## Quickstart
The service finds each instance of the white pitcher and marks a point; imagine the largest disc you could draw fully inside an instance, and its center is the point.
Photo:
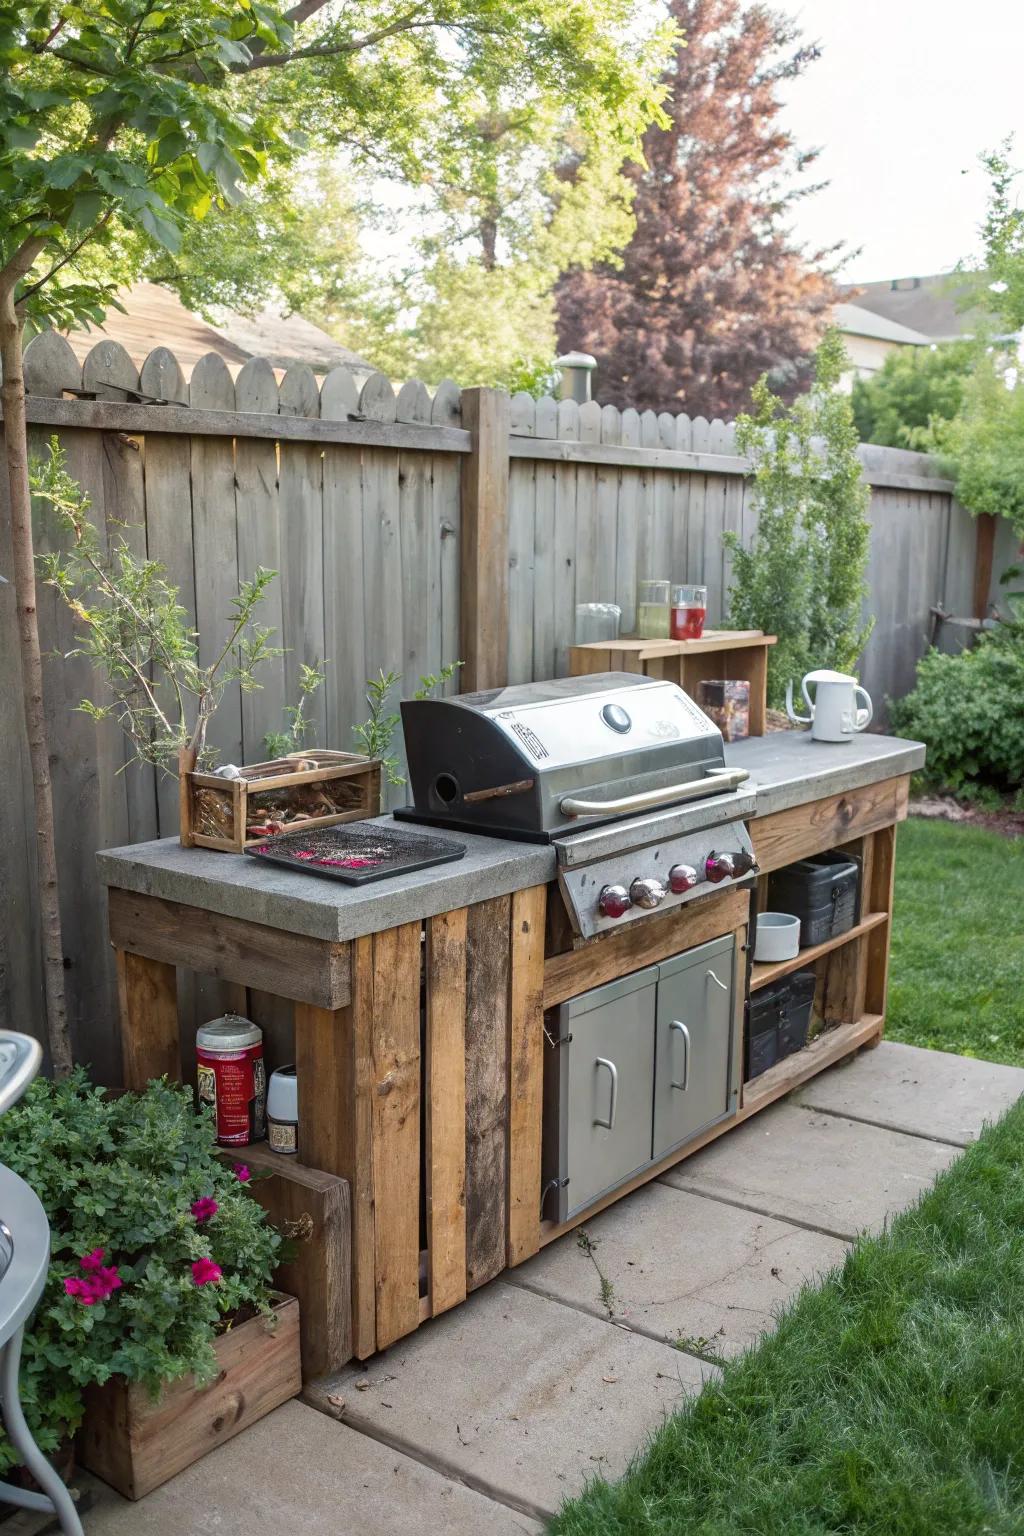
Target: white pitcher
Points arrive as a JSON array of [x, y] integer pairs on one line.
[[834, 713]]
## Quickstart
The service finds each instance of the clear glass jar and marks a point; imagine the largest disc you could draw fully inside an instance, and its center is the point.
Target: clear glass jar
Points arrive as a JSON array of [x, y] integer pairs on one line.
[[597, 622], [653, 609], [689, 610]]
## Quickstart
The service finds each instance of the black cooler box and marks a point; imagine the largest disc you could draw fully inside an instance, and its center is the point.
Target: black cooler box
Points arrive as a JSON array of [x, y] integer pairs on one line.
[[821, 892]]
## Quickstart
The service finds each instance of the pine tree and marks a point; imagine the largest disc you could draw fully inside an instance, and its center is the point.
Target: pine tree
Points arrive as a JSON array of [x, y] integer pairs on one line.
[[712, 291]]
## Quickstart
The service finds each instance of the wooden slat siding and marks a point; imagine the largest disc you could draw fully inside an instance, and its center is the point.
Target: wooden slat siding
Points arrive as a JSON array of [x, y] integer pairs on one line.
[[333, 1058], [607, 505], [645, 567], [808, 829], [396, 1129], [732, 518], [302, 539], [444, 1109], [587, 590], [522, 414], [695, 541], [382, 551], [167, 463], [526, 1071], [258, 533], [231, 950], [626, 526], [545, 486], [420, 562], [881, 872], [484, 576], [446, 410], [50, 366], [521, 577], [215, 546], [602, 959], [680, 503], [662, 532], [563, 584], [148, 1007], [487, 1002], [344, 598]]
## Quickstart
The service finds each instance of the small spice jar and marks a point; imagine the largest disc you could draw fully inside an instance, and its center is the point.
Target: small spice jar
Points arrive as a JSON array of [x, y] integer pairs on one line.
[[283, 1111], [232, 1079]]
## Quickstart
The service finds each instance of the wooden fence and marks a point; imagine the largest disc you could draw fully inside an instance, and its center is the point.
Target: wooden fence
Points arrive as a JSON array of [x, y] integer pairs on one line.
[[409, 529]]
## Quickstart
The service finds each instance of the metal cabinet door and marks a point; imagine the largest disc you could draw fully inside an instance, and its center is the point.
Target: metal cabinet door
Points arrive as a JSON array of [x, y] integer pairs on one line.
[[692, 1074], [607, 1072]]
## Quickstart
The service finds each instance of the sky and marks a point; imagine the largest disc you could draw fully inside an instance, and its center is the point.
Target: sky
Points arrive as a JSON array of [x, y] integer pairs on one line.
[[906, 95]]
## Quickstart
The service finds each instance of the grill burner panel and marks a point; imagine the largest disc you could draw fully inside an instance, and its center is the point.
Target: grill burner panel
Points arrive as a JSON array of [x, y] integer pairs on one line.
[[357, 852]]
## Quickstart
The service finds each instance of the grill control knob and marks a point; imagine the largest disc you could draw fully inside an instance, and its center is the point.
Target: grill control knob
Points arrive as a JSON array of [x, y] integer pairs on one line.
[[720, 866], [614, 901], [682, 877], [647, 893], [745, 862]]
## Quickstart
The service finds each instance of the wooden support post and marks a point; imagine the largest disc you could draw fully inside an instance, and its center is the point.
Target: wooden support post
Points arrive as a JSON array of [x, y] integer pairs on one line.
[[526, 1072], [445, 1110], [333, 1063], [150, 1040], [984, 552], [487, 1002], [484, 541], [883, 874]]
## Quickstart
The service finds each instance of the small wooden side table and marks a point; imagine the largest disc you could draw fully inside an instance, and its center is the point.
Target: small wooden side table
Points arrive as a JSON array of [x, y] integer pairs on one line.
[[740, 654]]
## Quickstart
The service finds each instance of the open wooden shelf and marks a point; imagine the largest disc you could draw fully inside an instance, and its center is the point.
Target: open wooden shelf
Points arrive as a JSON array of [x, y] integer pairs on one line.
[[830, 1046], [769, 971]]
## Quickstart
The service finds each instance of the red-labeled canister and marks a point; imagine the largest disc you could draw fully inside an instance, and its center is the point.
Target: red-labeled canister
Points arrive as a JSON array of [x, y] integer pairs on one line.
[[232, 1079]]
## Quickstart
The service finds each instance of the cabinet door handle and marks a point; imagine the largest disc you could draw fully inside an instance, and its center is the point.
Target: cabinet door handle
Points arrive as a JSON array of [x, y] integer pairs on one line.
[[609, 1124], [681, 1027], [712, 977]]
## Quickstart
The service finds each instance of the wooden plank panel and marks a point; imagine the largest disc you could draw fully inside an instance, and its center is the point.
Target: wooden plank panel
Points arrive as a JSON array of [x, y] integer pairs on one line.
[[521, 581], [215, 548], [258, 532], [587, 590], [396, 1129], [545, 483], [231, 949], [642, 943], [526, 1072], [333, 1059], [302, 574], [487, 1003], [807, 829], [564, 551], [313, 1210], [445, 1110], [883, 872], [444, 489], [167, 463], [148, 1000]]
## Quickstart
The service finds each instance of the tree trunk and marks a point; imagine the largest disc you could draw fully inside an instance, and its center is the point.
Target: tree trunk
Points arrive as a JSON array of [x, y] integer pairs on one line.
[[16, 450]]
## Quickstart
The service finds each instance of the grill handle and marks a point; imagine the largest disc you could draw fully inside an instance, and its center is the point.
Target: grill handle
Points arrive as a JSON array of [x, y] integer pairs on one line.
[[720, 778]]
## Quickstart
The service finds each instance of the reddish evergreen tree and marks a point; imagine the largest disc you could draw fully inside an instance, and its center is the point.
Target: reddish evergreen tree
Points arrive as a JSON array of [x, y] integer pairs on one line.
[[713, 290]]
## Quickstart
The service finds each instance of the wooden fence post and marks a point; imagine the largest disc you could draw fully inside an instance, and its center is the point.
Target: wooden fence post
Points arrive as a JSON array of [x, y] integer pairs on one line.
[[483, 635]]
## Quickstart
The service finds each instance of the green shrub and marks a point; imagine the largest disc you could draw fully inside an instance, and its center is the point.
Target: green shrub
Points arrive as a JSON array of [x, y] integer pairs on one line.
[[969, 711], [122, 1181]]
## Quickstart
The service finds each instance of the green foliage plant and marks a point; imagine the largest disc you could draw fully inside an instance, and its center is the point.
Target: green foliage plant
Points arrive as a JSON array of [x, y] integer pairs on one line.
[[803, 577], [173, 1243], [299, 725], [376, 733], [915, 390]]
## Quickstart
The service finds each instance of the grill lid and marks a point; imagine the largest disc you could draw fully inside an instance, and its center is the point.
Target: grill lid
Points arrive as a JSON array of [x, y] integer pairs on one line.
[[537, 758]]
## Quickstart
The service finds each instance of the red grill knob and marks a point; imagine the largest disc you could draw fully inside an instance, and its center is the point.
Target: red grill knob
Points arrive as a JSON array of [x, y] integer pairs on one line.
[[647, 893], [614, 901], [720, 866], [682, 877]]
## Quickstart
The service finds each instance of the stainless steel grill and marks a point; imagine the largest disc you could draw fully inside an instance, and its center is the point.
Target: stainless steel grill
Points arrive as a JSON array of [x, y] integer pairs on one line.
[[624, 774]]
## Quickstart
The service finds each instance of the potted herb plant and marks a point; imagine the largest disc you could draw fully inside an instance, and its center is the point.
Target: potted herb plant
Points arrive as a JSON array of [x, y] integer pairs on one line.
[[159, 1306]]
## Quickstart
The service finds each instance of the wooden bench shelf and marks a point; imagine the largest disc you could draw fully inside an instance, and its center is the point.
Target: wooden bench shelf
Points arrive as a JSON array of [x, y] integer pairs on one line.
[[828, 1047], [763, 974]]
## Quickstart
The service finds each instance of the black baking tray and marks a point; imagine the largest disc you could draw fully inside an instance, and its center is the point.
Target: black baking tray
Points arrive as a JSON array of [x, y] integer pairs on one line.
[[386, 850]]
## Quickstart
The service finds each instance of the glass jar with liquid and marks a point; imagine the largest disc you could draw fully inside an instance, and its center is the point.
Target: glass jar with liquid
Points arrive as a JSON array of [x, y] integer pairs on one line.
[[653, 609]]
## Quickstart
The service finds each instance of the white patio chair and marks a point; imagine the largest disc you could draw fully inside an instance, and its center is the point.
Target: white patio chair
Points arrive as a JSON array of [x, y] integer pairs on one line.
[[24, 1261]]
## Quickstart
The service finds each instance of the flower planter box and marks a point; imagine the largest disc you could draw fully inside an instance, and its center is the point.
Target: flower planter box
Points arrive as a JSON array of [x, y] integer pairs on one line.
[[221, 813], [135, 1443]]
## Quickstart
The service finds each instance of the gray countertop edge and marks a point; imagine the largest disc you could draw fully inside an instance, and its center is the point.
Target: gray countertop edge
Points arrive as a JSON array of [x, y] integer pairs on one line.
[[787, 769]]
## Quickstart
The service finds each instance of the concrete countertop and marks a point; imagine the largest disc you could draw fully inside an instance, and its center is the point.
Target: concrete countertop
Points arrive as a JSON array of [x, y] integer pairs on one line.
[[786, 768]]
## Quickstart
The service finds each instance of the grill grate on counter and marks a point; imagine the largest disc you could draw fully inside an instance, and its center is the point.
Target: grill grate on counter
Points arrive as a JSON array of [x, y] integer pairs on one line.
[[357, 852]]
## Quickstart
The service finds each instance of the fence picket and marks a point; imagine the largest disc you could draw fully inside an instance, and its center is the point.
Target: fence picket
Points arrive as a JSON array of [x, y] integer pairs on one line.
[[302, 543], [545, 482], [258, 529], [50, 365]]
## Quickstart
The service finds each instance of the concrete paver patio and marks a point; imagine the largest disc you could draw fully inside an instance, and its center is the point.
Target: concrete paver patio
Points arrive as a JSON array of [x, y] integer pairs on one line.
[[487, 1417]]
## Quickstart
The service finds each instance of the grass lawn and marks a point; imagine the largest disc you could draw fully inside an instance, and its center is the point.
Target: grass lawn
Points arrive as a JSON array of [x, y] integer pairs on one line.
[[890, 1401], [956, 981]]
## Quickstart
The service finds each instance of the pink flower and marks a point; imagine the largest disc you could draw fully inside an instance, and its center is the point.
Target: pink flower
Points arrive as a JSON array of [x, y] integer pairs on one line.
[[205, 1208], [91, 1262], [205, 1272], [242, 1173], [99, 1284], [74, 1285]]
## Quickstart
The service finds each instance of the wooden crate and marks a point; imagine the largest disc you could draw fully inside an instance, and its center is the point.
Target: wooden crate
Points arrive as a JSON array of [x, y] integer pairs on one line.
[[720, 653], [135, 1444], [215, 812]]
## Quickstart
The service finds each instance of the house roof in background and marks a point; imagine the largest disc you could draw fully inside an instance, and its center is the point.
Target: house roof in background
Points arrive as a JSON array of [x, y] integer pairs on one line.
[[155, 317], [856, 321], [926, 304]]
